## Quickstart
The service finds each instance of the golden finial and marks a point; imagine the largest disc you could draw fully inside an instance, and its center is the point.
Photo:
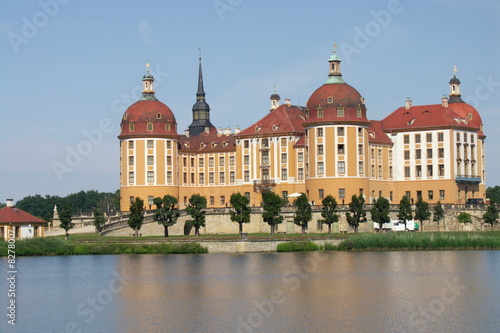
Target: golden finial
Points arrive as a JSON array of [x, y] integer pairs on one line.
[[455, 70], [147, 66], [334, 47]]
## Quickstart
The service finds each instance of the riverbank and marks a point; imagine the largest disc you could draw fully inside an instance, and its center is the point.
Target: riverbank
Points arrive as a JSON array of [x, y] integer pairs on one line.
[[403, 241]]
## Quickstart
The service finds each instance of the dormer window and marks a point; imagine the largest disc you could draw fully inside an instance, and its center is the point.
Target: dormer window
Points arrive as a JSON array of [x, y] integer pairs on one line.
[[131, 127], [340, 112], [329, 100], [150, 126], [319, 112], [158, 115], [167, 127], [275, 127], [358, 112]]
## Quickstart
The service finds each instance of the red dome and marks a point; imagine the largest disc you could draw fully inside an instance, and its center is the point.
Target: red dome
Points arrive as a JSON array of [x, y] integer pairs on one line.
[[332, 96], [467, 111], [148, 118]]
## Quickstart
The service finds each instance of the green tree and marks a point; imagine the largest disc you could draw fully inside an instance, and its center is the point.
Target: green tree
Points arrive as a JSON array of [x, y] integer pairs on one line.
[[422, 212], [438, 213], [329, 212], [380, 212], [493, 193], [241, 209], [464, 217], [65, 218], [405, 212], [136, 217], [491, 215], [99, 219], [303, 212], [195, 209], [356, 207], [271, 203], [166, 212]]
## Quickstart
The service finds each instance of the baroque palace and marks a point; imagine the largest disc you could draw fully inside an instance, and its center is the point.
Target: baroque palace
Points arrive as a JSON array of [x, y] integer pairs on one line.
[[328, 147]]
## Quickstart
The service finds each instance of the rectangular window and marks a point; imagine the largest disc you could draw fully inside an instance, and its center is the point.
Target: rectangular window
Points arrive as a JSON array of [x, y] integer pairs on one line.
[[184, 161], [201, 162], [301, 173], [372, 153], [246, 160], [151, 144], [340, 131], [211, 162], [418, 154], [131, 160], [360, 149], [222, 200], [373, 171], [247, 195], [301, 157], [185, 177], [265, 143], [131, 144], [418, 171], [283, 142], [340, 149], [408, 194], [429, 137], [321, 168], [441, 152], [360, 132], [440, 136], [192, 178], [320, 149], [246, 144], [232, 176], [221, 161], [192, 162], [341, 166], [417, 138], [321, 193], [390, 172], [319, 112], [407, 154], [380, 194], [169, 144], [441, 170], [472, 138], [429, 170], [441, 194], [340, 112], [361, 169], [379, 171], [185, 200], [379, 153], [265, 157], [358, 112], [212, 200], [131, 177], [342, 193], [247, 176], [151, 160], [151, 176], [458, 136], [284, 158], [211, 178], [232, 160], [429, 153], [407, 171], [284, 174], [222, 177], [406, 138], [319, 132], [419, 194], [465, 137], [391, 195], [169, 176], [202, 178], [131, 127], [132, 199], [284, 194], [430, 194]]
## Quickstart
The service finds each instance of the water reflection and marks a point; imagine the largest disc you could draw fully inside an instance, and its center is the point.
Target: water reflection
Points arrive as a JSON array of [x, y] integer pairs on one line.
[[291, 292]]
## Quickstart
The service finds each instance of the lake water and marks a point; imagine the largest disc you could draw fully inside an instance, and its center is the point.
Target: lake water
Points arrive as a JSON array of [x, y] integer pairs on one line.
[[456, 291]]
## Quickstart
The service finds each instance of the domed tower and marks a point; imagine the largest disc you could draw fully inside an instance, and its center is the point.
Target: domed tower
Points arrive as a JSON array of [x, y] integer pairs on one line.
[[148, 149], [275, 100], [336, 139]]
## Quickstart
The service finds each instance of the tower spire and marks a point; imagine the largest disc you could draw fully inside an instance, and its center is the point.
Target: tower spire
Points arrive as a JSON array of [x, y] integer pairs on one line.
[[201, 110], [455, 96], [148, 91]]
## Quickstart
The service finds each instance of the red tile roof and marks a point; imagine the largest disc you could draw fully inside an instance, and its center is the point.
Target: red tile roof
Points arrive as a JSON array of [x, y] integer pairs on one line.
[[429, 116], [15, 215], [377, 135], [283, 119], [207, 143]]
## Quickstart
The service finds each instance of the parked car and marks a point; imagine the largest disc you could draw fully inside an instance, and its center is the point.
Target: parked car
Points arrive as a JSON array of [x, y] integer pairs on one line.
[[473, 201]]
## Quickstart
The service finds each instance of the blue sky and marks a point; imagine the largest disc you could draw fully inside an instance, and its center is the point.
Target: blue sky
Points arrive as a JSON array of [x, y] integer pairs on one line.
[[70, 68]]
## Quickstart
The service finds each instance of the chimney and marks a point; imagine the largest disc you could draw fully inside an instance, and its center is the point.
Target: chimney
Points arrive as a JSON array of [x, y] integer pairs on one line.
[[186, 133], [408, 103], [10, 202], [236, 130], [288, 101], [207, 129], [220, 131], [227, 131], [444, 101]]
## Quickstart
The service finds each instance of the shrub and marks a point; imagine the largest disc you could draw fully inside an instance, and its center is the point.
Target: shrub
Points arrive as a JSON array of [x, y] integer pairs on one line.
[[297, 246]]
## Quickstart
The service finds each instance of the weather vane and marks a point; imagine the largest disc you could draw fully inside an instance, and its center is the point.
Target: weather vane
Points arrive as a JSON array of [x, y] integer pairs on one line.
[[334, 47], [147, 66], [455, 70]]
